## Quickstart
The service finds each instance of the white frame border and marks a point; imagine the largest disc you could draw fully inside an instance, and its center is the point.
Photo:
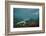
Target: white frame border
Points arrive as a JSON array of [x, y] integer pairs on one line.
[[29, 28]]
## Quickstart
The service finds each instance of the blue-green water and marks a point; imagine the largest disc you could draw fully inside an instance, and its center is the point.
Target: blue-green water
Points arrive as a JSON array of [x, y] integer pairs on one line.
[[20, 14]]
